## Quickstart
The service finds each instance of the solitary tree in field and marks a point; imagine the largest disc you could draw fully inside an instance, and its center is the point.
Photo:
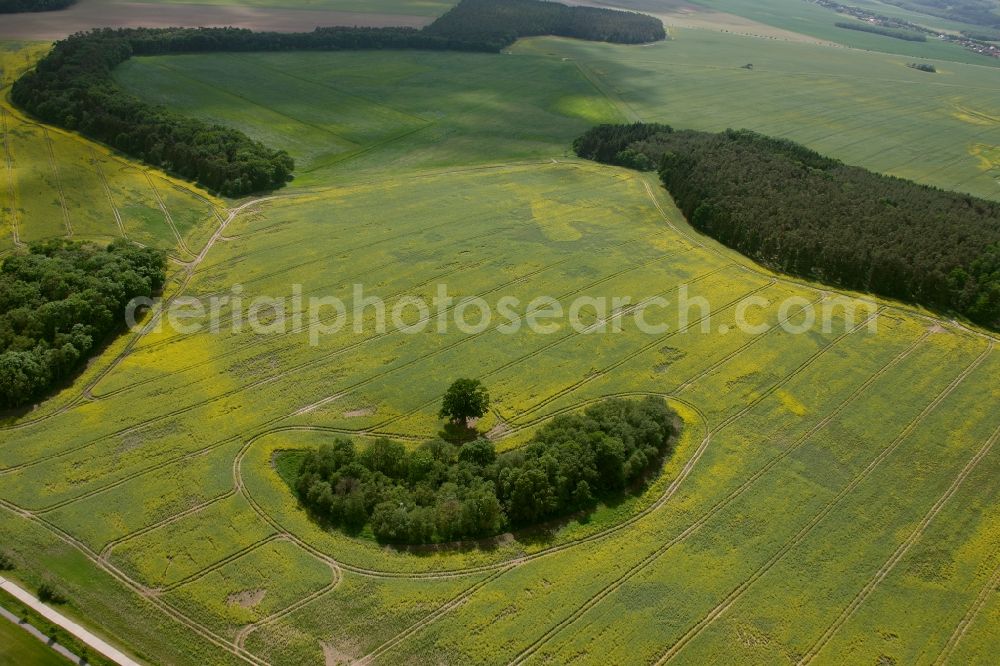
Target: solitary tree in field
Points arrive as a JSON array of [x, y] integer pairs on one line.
[[465, 399]]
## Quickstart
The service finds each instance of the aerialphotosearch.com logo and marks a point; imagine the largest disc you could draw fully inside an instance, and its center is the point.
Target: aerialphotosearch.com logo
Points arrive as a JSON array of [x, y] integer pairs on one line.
[[363, 314]]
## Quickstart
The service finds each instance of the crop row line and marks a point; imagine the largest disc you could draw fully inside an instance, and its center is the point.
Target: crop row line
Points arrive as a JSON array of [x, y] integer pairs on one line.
[[738, 592], [267, 249], [11, 187], [261, 63], [989, 589], [599, 322], [243, 100], [107, 190], [168, 218], [325, 558], [548, 551], [748, 266], [172, 338], [433, 617], [319, 554], [125, 479], [429, 575], [704, 518], [258, 341], [491, 567], [218, 564], [252, 232], [900, 552], [153, 319], [362, 150], [135, 587], [244, 633], [278, 376], [54, 167], [703, 446], [613, 98], [521, 359], [275, 377], [369, 572], [353, 249], [344, 431], [423, 229], [105, 553], [641, 350], [749, 343], [270, 248]]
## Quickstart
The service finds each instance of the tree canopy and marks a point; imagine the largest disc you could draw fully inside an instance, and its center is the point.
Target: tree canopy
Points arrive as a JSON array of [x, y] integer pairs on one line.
[[439, 492], [502, 22], [72, 86], [465, 399], [896, 33], [15, 6], [795, 210], [58, 302]]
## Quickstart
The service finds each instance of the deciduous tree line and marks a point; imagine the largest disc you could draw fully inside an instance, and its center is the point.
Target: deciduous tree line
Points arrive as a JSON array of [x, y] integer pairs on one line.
[[61, 300], [896, 33], [440, 492], [792, 209], [15, 6], [501, 22], [72, 87]]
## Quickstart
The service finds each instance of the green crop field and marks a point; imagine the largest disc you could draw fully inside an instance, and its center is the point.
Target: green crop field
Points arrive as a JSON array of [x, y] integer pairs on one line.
[[379, 112], [867, 109], [811, 19], [425, 111], [805, 17], [832, 497], [18, 647], [57, 184]]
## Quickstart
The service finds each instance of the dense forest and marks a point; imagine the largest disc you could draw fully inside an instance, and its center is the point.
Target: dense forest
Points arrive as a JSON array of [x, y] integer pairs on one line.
[[58, 302], [15, 6], [882, 30], [72, 86], [440, 492], [799, 212], [502, 22]]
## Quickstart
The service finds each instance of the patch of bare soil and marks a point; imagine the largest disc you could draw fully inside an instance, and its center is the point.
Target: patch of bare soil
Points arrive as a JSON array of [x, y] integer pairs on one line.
[[107, 14], [334, 657], [246, 598], [357, 413]]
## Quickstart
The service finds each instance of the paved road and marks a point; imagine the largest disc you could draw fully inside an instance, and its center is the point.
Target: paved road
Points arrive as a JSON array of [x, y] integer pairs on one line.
[[54, 616]]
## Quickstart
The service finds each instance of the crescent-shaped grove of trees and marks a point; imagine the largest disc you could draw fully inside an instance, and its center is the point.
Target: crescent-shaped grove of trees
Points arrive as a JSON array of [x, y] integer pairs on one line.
[[72, 86], [440, 492]]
